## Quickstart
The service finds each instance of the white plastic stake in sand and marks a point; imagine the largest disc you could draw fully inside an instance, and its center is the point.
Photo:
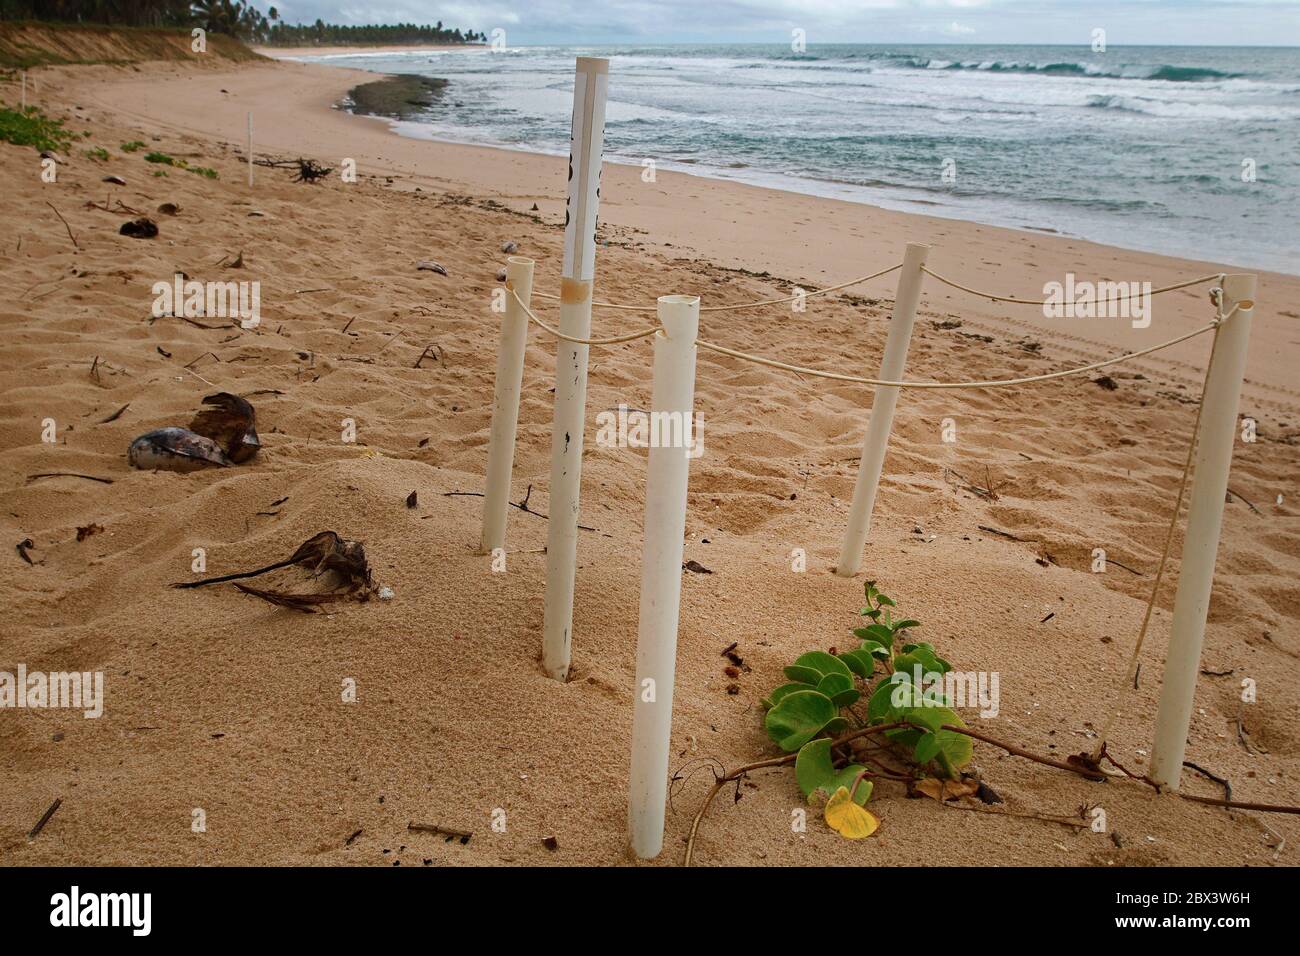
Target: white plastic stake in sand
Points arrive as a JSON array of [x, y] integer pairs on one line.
[[661, 572], [1204, 520], [590, 88], [24, 91], [882, 410], [505, 404], [250, 149]]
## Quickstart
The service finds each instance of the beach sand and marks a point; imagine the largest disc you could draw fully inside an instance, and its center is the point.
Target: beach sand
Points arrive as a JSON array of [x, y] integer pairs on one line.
[[284, 52], [220, 702]]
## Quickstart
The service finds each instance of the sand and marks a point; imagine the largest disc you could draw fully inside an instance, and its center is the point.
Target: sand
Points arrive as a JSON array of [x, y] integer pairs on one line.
[[220, 702], [286, 52]]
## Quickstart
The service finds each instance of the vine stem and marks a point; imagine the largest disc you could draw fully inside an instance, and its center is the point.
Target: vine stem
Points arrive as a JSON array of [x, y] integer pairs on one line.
[[1211, 801], [1082, 770], [739, 772], [1096, 775]]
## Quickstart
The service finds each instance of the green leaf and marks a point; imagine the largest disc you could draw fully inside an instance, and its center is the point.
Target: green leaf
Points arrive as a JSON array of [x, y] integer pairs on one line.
[[906, 736], [927, 748], [860, 662], [774, 698], [798, 718], [906, 622], [878, 706], [922, 654], [809, 677], [955, 751], [891, 700], [951, 750], [810, 668], [931, 717], [814, 771], [875, 632], [839, 689], [884, 601]]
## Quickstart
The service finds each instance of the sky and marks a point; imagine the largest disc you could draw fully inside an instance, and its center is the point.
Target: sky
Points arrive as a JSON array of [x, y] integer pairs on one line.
[[1070, 22]]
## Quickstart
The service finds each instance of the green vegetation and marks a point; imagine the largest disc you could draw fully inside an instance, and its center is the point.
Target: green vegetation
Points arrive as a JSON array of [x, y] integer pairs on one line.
[[99, 153], [25, 43], [233, 18], [132, 146], [818, 702], [165, 160], [31, 127]]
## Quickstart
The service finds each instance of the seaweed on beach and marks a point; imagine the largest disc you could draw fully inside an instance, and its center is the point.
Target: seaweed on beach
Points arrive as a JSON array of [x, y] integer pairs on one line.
[[398, 97]]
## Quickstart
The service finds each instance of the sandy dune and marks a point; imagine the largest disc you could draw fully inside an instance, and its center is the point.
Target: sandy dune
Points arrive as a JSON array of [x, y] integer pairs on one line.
[[218, 701]]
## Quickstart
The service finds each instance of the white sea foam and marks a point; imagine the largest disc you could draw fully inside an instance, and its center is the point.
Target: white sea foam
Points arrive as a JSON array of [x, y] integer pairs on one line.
[[1126, 147]]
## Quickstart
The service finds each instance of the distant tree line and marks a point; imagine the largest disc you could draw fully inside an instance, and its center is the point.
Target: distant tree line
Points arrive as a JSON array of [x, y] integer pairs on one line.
[[232, 17]]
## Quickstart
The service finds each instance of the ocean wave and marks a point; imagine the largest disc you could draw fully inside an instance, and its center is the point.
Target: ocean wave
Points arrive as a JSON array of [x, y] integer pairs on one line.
[[1174, 109], [1168, 72]]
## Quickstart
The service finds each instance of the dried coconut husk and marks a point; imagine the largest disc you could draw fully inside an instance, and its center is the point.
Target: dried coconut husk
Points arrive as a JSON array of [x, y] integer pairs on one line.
[[231, 422]]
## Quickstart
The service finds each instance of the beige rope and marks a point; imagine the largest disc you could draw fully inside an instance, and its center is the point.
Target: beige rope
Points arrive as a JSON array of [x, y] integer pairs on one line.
[[996, 383], [742, 305], [1130, 673], [576, 341], [604, 305], [1013, 299]]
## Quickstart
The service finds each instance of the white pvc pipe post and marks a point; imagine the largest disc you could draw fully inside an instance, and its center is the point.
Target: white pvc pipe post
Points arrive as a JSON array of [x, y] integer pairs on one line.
[[591, 85], [882, 410], [661, 570], [24, 91], [250, 149], [505, 404], [1204, 520]]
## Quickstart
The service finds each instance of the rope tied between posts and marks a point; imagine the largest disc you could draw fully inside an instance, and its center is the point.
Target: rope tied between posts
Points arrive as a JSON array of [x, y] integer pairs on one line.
[[875, 382], [994, 383], [742, 305], [1128, 679], [1218, 277], [615, 340]]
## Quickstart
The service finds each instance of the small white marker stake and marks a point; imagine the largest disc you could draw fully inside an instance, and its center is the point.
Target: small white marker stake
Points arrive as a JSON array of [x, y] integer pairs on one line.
[[505, 404], [1204, 521], [250, 149], [661, 573], [591, 85], [24, 91], [882, 410]]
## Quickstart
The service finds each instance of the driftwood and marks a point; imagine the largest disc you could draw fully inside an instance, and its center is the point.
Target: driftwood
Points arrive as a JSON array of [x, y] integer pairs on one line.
[[323, 552], [309, 171]]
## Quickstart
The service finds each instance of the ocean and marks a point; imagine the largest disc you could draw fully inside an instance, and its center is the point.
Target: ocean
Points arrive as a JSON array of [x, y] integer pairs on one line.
[[1178, 150]]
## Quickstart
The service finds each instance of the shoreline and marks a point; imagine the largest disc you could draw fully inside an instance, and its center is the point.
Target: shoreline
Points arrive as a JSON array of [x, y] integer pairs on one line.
[[819, 242], [781, 184], [911, 200]]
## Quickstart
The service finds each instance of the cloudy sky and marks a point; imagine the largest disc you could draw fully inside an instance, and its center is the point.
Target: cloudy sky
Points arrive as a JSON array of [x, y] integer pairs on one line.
[[1205, 22]]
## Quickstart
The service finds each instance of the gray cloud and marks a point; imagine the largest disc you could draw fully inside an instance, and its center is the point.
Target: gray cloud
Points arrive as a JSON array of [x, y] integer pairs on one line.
[[1207, 22]]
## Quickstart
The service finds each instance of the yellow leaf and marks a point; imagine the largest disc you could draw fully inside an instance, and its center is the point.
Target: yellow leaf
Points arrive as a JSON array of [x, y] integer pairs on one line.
[[847, 818]]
